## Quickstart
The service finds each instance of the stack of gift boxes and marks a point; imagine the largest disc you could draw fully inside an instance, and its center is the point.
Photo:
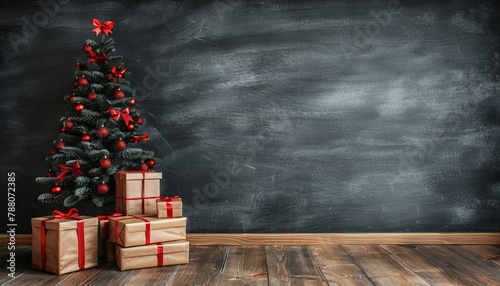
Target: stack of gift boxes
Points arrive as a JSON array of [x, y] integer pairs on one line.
[[146, 231]]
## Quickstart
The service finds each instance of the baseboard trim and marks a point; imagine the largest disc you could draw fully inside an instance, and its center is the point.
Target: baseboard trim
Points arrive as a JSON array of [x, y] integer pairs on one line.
[[317, 238]]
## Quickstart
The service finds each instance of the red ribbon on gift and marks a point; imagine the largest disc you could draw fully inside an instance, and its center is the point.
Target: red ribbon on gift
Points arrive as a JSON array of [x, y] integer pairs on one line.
[[143, 191], [80, 228], [105, 219], [117, 73], [159, 254], [168, 204], [102, 27], [125, 113], [75, 169], [94, 58], [147, 232], [136, 138]]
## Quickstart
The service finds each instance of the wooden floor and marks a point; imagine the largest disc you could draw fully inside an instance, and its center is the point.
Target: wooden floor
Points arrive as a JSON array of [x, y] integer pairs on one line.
[[291, 265]]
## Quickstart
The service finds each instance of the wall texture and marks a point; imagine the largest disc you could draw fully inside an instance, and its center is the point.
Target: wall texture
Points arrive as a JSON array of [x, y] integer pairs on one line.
[[279, 116]]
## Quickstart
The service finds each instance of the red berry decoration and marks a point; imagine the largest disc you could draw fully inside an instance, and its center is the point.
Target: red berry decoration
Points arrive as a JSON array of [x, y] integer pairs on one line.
[[68, 124], [87, 48], [105, 163], [56, 189], [83, 81], [133, 101], [119, 94], [102, 131], [60, 145], [85, 137], [143, 166], [130, 126], [150, 162], [79, 107], [92, 96], [121, 145], [139, 120], [49, 173], [53, 151], [102, 188]]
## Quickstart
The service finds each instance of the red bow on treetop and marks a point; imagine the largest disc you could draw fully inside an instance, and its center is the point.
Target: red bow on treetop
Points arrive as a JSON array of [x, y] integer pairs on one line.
[[75, 169], [94, 58], [102, 27], [136, 139], [115, 114], [117, 73], [71, 213]]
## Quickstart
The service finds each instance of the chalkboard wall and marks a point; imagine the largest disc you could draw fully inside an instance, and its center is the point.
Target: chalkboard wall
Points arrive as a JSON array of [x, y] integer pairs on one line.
[[279, 116]]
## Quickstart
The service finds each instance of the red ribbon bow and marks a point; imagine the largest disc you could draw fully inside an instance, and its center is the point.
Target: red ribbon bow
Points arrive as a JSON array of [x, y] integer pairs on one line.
[[73, 212], [102, 27], [75, 169], [117, 73], [169, 199], [94, 58], [136, 139], [115, 114], [108, 216]]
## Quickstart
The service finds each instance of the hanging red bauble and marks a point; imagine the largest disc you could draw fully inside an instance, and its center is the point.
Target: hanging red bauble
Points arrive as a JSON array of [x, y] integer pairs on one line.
[[75, 82], [102, 131], [87, 48], [62, 129], [79, 107], [83, 81], [102, 188], [121, 145], [150, 162], [49, 173], [56, 189], [119, 94], [53, 151], [133, 102], [59, 145], [143, 166], [85, 137], [130, 126], [71, 98], [68, 124], [105, 163], [92, 96], [139, 120]]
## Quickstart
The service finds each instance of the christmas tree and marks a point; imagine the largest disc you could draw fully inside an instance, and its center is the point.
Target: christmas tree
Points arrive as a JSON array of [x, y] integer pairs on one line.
[[97, 130]]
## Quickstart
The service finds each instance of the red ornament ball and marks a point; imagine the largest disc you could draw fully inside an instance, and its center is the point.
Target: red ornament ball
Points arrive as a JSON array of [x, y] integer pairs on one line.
[[56, 189], [49, 173], [119, 94], [83, 81], [133, 102], [79, 107], [105, 163], [62, 129], [68, 124], [85, 137], [102, 131], [121, 145], [139, 120], [143, 166], [75, 83], [102, 188], [92, 96], [131, 126], [60, 145], [150, 162], [71, 98], [87, 48], [53, 151]]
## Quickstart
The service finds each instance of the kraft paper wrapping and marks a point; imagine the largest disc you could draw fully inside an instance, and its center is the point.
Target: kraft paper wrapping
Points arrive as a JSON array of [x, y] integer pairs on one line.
[[175, 252], [62, 244], [131, 231], [162, 208], [135, 196], [106, 248]]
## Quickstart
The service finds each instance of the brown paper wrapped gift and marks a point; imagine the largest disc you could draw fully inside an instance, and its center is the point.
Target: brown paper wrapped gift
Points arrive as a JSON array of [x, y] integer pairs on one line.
[[153, 255], [106, 248], [64, 243], [141, 230], [169, 207], [137, 191]]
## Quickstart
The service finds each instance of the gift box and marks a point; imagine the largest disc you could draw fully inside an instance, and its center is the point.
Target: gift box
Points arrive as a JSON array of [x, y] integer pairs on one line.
[[153, 255], [137, 191], [106, 248], [64, 242], [142, 230], [169, 207]]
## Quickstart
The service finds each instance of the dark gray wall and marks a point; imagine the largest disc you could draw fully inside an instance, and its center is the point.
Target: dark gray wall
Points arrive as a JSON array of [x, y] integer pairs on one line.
[[280, 116]]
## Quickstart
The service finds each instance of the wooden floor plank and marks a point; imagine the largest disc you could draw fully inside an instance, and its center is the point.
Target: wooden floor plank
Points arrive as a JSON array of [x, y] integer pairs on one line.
[[381, 268], [435, 272], [468, 262], [150, 276], [107, 271], [337, 267], [23, 262], [292, 265], [245, 265], [204, 268], [488, 252]]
